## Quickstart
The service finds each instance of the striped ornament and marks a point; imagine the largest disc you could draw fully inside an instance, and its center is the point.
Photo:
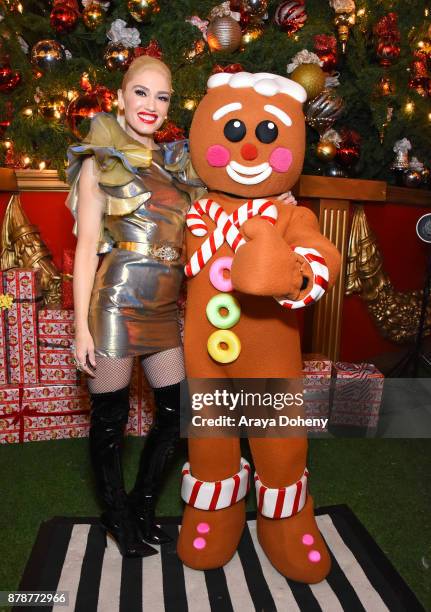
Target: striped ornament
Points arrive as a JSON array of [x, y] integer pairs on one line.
[[284, 502], [291, 16], [320, 279], [227, 227], [215, 495]]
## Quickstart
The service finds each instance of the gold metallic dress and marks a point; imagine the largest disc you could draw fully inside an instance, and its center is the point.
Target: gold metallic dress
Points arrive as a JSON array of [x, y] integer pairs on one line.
[[133, 308]]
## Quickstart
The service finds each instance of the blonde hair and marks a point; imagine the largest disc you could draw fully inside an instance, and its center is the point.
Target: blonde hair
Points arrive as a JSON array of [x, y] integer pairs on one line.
[[145, 62]]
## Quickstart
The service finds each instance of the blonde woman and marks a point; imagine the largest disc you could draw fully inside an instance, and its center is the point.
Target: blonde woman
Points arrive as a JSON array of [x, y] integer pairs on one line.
[[126, 196]]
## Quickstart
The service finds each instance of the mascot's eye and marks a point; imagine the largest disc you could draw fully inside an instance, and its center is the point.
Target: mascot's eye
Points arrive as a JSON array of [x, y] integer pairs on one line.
[[266, 131], [234, 130]]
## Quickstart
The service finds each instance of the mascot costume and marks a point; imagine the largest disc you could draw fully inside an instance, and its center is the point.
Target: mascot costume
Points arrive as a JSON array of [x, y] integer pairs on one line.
[[247, 144]]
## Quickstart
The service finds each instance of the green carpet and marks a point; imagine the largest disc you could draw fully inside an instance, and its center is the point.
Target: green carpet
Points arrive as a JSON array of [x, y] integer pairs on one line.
[[385, 482]]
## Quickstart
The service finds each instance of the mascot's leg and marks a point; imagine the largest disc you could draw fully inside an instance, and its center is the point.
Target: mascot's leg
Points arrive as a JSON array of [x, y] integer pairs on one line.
[[286, 526], [214, 486]]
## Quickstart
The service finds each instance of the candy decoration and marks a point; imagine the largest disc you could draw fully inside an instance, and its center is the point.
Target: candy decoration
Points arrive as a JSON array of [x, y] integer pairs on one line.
[[227, 302], [291, 16], [226, 227], [217, 277], [215, 495], [320, 279], [283, 502], [224, 346]]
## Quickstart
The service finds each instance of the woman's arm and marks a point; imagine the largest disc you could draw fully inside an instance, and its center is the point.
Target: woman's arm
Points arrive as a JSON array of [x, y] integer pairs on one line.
[[91, 203]]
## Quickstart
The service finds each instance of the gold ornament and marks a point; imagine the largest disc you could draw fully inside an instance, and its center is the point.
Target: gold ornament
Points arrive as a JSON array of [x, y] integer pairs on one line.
[[396, 313], [343, 23], [22, 247], [6, 301], [224, 34], [142, 10], [117, 56], [93, 16], [51, 108], [251, 33], [47, 54], [311, 77], [326, 150]]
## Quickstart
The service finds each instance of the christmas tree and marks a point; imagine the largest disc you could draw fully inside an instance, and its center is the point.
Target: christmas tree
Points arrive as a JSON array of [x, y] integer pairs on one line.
[[61, 62]]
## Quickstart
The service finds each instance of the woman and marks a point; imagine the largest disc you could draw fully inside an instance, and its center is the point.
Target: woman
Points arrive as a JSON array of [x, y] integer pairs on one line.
[[126, 202]]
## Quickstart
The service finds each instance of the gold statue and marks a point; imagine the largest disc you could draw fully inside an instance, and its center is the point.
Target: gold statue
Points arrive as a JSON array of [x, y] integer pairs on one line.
[[396, 313], [22, 247]]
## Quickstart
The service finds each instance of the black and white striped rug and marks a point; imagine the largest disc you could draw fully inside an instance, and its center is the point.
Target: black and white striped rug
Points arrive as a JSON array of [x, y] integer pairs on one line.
[[69, 555]]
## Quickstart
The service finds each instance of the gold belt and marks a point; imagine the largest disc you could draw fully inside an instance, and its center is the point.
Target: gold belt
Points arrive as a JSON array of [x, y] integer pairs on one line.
[[157, 251]]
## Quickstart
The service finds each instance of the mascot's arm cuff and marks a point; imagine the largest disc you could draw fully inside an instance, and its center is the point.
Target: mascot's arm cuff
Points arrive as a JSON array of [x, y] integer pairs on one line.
[[320, 279], [218, 494]]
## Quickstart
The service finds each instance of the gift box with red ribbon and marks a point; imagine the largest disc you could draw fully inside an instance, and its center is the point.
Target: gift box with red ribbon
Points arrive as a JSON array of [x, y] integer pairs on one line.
[[3, 354], [56, 335], [9, 408], [21, 324], [67, 279], [141, 404], [357, 395], [317, 372]]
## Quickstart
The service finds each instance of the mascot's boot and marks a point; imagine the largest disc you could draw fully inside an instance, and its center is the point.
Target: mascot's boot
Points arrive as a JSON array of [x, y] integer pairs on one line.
[[286, 526], [214, 485], [156, 455], [108, 420]]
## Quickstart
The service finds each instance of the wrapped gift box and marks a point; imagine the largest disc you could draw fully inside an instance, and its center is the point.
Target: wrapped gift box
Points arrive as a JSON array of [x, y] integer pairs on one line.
[[21, 324], [357, 395], [317, 372], [141, 404], [55, 412], [56, 334], [67, 278], [9, 414], [3, 356]]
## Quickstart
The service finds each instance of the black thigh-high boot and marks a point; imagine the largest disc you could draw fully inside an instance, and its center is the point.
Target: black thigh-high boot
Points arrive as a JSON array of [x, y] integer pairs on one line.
[[156, 454], [108, 419]]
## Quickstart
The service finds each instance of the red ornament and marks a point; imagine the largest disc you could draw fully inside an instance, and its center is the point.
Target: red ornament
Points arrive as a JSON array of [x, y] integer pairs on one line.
[[231, 68], [64, 16], [9, 79], [153, 49], [169, 133], [388, 43], [420, 79], [325, 48], [291, 16], [349, 151], [86, 105]]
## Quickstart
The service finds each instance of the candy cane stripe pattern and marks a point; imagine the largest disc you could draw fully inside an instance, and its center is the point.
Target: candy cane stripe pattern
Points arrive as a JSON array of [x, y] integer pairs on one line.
[[227, 227], [284, 502], [320, 279], [215, 495]]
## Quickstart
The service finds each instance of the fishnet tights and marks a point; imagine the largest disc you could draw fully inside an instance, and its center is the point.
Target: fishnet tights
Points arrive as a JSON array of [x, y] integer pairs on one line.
[[161, 369]]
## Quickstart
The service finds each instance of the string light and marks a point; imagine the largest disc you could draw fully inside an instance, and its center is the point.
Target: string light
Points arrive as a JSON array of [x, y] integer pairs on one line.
[[409, 107], [429, 116], [42, 165], [7, 144], [189, 104], [26, 160], [28, 112], [361, 12]]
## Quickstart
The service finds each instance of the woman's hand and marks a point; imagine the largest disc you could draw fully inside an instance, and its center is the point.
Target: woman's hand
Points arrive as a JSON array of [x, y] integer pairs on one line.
[[84, 352]]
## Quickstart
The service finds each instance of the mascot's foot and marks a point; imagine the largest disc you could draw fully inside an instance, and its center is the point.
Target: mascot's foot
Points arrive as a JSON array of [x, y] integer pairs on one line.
[[295, 546], [208, 539]]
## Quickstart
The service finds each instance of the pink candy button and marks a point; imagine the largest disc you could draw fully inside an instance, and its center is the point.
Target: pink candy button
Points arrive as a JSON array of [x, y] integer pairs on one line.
[[203, 528], [314, 556], [199, 543], [307, 539], [216, 274]]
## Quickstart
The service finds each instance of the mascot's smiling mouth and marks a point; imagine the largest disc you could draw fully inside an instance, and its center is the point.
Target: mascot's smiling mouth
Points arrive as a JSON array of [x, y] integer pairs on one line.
[[248, 175]]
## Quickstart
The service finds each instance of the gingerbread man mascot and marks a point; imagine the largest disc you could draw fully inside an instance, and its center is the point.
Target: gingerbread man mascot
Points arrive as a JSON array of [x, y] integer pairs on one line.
[[247, 144]]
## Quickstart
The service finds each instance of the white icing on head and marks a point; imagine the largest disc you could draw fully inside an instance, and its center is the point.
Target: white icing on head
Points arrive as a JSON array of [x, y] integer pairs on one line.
[[264, 83], [227, 108], [274, 110]]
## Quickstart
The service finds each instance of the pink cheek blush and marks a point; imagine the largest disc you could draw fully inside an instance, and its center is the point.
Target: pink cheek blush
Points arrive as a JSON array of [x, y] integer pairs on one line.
[[203, 528], [199, 543], [217, 156], [314, 556], [281, 159]]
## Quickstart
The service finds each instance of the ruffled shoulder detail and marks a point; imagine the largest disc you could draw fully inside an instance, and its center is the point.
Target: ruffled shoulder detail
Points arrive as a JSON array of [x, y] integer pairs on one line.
[[117, 155], [177, 161]]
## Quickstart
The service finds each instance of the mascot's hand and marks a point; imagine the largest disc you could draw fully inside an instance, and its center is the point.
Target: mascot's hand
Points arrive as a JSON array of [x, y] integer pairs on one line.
[[266, 265]]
